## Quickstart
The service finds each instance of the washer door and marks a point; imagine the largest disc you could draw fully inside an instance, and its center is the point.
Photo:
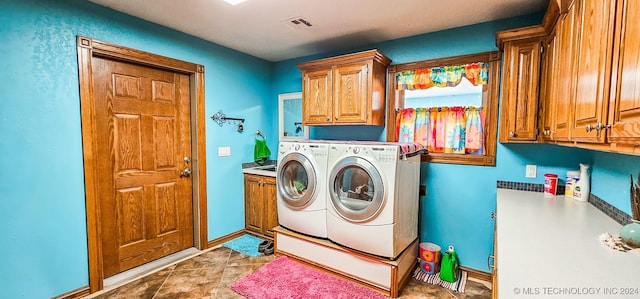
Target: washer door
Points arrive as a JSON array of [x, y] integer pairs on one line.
[[297, 181], [356, 189]]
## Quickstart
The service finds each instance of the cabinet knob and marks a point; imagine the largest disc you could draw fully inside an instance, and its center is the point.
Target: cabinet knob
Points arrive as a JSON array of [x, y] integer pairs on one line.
[[328, 118], [336, 118], [512, 134], [588, 128]]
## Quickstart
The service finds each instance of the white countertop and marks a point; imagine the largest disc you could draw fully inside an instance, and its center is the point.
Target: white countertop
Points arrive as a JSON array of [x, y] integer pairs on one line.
[[258, 171], [549, 247]]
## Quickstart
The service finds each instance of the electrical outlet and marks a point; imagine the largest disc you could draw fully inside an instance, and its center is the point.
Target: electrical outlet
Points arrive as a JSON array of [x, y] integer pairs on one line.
[[531, 171]]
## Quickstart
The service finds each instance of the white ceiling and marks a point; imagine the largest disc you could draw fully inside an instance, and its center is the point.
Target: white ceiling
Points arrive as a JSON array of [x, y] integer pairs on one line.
[[261, 28]]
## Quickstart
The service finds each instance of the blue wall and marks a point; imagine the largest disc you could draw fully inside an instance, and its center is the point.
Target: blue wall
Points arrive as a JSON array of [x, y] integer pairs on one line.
[[460, 199], [42, 210]]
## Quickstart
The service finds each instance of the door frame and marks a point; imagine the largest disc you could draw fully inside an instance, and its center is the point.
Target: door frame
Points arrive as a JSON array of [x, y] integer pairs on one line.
[[89, 48]]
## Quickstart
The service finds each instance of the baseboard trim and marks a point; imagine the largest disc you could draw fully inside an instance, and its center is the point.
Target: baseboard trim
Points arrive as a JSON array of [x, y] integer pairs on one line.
[[225, 238], [77, 293], [477, 274]]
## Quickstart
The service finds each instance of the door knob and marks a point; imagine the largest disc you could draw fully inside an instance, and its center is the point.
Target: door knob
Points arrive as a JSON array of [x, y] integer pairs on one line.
[[185, 173]]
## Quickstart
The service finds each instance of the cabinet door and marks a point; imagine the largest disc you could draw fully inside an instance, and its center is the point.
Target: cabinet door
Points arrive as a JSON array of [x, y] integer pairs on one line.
[[625, 100], [520, 89], [253, 203], [595, 29], [549, 86], [565, 92], [317, 97], [269, 203], [350, 94]]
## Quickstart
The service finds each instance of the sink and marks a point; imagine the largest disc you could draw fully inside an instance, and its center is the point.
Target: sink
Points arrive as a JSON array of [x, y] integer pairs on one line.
[[266, 167]]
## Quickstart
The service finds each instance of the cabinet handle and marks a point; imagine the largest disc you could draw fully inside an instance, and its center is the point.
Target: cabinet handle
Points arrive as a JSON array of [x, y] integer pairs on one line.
[[600, 126], [491, 265]]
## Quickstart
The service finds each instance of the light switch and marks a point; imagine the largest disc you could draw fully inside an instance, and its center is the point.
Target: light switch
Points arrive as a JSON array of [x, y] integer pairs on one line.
[[224, 151]]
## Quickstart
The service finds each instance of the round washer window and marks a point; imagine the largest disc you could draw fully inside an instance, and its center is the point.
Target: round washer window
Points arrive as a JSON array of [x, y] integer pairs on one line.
[[356, 189], [296, 180]]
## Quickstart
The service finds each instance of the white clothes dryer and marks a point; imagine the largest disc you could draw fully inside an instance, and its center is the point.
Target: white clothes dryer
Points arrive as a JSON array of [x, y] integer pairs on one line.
[[373, 197], [301, 187]]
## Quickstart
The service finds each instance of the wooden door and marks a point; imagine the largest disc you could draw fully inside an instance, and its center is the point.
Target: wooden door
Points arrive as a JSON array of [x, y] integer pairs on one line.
[[625, 100], [593, 69], [350, 93], [564, 98], [317, 105], [520, 89], [269, 190], [143, 127], [253, 203]]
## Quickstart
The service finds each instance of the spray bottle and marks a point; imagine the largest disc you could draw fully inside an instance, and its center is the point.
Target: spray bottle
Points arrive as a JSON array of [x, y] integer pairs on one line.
[[581, 187]]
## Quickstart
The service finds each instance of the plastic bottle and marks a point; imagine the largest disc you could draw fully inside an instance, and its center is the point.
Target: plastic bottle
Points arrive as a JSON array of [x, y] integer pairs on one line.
[[449, 270], [572, 178], [581, 187]]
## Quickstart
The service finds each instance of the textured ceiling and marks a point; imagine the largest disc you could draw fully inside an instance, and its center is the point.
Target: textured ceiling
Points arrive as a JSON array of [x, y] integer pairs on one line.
[[261, 27]]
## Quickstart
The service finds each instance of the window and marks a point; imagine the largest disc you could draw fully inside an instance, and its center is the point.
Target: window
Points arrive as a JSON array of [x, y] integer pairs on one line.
[[466, 104]]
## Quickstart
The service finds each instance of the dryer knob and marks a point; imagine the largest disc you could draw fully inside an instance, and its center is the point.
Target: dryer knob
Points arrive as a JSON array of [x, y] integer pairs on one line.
[[297, 147], [356, 150]]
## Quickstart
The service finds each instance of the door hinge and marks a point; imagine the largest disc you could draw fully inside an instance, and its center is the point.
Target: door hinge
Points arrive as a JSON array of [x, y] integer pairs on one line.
[[537, 131]]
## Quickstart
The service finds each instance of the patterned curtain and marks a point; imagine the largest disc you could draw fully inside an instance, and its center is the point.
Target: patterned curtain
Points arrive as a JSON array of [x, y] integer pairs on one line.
[[476, 73], [455, 130]]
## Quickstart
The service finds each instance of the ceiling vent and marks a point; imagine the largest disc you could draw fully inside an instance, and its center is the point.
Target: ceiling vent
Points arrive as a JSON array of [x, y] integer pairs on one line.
[[299, 23]]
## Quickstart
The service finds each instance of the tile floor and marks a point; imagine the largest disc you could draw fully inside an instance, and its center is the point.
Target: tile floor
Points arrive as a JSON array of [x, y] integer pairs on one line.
[[209, 274]]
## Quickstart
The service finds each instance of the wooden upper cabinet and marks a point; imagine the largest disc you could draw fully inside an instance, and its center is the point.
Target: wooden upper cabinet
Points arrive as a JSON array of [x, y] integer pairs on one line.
[[345, 90], [565, 76], [548, 86], [520, 90], [317, 94], [624, 116], [595, 44]]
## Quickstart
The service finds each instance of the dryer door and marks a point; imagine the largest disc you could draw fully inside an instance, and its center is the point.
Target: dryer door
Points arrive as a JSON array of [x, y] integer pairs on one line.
[[356, 189], [297, 181]]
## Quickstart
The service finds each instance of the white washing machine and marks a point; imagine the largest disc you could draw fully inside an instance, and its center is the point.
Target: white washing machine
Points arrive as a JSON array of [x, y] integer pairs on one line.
[[302, 189], [373, 197]]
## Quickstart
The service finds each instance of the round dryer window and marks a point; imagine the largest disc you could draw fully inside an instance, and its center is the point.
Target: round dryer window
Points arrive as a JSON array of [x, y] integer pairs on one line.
[[356, 189], [296, 181]]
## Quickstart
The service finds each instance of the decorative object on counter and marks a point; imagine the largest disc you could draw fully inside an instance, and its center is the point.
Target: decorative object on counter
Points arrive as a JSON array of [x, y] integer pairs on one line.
[[220, 118], [449, 270], [261, 151], [550, 184], [581, 188], [572, 178], [634, 195], [630, 233], [614, 242]]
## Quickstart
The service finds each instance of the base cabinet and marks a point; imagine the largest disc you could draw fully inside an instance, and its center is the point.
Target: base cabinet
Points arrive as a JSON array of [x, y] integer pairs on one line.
[[260, 210]]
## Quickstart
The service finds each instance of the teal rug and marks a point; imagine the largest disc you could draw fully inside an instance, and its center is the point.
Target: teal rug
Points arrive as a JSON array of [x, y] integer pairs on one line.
[[245, 244]]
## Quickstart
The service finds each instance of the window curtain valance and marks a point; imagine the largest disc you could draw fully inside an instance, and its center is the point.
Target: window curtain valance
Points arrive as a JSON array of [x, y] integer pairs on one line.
[[476, 73]]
